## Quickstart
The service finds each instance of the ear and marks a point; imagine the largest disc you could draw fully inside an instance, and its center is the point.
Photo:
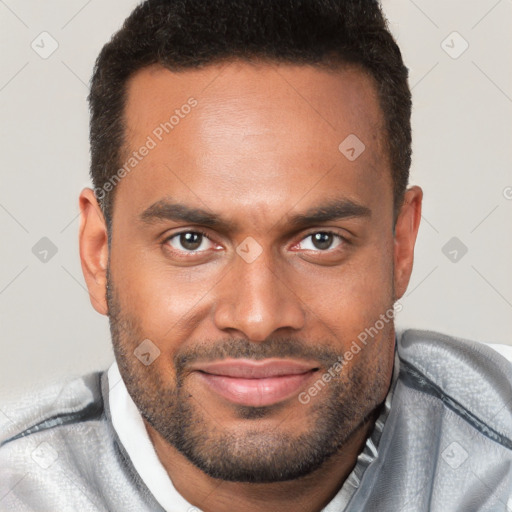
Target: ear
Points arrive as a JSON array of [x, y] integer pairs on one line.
[[406, 230], [94, 249]]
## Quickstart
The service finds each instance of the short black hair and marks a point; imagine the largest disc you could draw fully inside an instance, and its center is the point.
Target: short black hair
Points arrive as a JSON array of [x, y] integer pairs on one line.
[[185, 34]]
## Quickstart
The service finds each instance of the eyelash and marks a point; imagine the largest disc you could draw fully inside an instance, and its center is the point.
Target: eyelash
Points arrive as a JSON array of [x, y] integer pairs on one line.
[[343, 240]]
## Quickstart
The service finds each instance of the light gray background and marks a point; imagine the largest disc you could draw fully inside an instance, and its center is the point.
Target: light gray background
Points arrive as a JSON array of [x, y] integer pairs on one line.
[[462, 126]]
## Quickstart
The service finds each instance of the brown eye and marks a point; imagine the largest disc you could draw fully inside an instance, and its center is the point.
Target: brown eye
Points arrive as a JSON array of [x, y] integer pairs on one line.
[[321, 241], [189, 241]]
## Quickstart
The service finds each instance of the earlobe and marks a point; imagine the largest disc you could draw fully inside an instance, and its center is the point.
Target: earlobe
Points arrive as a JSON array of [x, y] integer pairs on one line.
[[406, 231], [93, 239]]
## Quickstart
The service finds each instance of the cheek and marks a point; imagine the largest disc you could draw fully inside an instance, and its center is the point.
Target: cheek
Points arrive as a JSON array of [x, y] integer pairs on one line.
[[164, 299], [351, 297]]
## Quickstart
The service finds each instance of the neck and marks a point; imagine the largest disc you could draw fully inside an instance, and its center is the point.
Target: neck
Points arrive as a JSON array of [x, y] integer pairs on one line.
[[310, 493]]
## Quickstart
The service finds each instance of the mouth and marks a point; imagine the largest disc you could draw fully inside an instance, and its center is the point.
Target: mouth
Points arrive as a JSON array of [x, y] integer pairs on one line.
[[256, 383]]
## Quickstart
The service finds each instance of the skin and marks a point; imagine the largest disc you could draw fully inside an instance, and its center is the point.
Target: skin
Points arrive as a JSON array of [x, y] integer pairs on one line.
[[260, 147]]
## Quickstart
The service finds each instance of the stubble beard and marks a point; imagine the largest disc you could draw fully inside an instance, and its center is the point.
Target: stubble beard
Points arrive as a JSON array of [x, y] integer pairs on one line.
[[256, 453]]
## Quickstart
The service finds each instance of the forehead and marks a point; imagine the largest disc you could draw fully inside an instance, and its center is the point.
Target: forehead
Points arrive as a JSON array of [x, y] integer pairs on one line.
[[259, 134]]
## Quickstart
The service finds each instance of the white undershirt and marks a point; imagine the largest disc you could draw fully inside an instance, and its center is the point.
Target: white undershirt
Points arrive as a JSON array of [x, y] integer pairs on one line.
[[130, 428]]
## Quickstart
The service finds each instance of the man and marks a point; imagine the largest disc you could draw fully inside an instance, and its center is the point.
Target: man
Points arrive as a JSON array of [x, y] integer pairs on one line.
[[249, 236]]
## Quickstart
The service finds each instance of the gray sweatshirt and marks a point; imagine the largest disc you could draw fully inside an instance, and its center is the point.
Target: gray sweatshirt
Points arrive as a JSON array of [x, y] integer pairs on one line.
[[442, 443]]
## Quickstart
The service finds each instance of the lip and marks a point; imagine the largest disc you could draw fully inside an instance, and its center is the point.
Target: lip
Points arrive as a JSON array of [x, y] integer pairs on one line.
[[255, 383]]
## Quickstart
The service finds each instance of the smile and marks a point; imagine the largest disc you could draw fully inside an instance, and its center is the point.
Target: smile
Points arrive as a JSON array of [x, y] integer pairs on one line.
[[256, 383]]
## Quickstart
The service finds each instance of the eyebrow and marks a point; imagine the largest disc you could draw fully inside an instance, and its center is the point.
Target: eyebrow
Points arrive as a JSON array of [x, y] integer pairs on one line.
[[333, 210], [167, 210], [337, 209]]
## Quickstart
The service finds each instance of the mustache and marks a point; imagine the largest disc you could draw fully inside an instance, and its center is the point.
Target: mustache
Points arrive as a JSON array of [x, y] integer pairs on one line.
[[244, 349]]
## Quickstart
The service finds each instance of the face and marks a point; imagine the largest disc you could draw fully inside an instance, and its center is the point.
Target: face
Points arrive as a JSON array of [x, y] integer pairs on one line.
[[252, 252]]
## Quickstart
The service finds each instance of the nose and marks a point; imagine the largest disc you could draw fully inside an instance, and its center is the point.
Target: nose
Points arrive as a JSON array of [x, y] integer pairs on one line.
[[255, 300]]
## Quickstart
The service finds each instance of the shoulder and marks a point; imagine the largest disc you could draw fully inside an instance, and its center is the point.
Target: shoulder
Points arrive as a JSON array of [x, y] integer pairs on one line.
[[67, 403], [469, 377], [46, 441], [447, 441]]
